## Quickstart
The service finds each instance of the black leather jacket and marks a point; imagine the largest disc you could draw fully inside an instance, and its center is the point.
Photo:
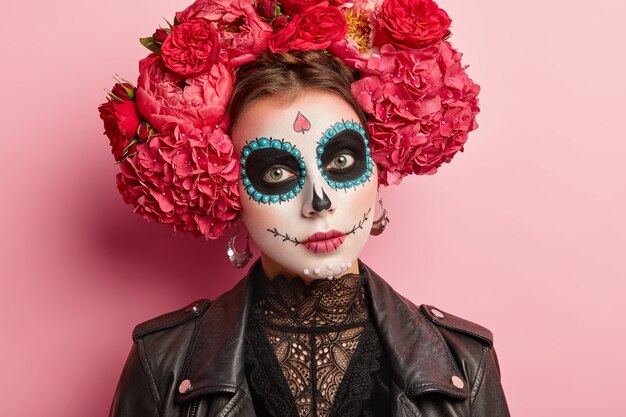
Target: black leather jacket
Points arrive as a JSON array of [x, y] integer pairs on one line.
[[190, 362]]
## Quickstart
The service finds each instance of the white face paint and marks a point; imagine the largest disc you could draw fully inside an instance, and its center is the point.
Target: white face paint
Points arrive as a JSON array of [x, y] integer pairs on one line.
[[308, 202]]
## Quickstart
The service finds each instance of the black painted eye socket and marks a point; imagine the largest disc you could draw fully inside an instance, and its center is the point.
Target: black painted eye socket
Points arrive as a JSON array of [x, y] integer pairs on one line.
[[344, 157], [272, 171]]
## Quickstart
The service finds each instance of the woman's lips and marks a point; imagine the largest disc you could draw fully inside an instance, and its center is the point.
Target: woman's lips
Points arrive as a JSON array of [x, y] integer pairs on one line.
[[323, 242]]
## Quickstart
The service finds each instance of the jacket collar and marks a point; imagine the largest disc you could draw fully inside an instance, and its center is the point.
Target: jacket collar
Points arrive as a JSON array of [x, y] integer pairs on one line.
[[419, 358]]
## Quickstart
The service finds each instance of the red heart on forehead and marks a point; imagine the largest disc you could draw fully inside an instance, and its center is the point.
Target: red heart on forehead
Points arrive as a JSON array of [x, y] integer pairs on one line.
[[301, 124]]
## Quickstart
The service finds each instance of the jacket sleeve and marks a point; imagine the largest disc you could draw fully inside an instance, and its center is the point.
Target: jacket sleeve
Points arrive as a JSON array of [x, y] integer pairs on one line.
[[134, 396], [488, 395]]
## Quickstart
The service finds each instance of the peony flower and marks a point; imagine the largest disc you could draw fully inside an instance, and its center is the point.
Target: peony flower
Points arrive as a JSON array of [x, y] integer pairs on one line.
[[420, 104], [243, 34], [411, 24], [186, 179], [315, 29], [191, 48], [165, 97], [121, 119]]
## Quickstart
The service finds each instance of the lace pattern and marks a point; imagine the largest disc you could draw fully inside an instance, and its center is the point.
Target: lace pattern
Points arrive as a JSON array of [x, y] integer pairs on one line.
[[312, 347]]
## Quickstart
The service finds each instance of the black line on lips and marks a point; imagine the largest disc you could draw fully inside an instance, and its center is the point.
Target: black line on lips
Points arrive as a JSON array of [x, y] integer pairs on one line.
[[296, 242]]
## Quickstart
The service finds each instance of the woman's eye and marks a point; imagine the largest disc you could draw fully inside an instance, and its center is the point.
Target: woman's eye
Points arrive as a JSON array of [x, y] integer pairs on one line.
[[277, 174], [341, 162]]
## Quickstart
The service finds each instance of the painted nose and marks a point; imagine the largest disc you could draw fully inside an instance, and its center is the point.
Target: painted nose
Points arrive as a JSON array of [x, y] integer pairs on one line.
[[317, 202], [320, 203]]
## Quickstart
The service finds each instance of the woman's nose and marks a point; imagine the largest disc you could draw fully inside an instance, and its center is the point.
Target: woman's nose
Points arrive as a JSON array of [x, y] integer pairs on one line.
[[317, 202]]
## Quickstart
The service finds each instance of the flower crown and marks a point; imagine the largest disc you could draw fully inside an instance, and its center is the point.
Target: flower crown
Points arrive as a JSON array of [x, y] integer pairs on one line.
[[169, 133]]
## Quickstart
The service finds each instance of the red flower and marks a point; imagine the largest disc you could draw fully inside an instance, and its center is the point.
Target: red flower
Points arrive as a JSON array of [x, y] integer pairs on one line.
[[421, 105], [300, 6], [266, 8], [412, 24], [243, 34], [315, 29], [191, 48], [186, 179], [121, 120], [164, 97]]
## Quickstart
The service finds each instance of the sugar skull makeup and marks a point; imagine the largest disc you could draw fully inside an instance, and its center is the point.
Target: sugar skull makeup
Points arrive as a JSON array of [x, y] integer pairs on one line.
[[308, 184]]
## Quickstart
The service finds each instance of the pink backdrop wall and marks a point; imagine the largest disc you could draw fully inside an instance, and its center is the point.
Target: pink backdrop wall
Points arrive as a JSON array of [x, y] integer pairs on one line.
[[524, 232]]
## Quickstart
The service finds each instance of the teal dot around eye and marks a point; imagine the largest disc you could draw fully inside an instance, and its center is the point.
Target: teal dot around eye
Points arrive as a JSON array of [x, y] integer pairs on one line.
[[274, 199], [319, 162], [295, 153], [242, 160], [320, 150], [340, 185], [264, 143], [256, 196], [301, 181], [290, 194], [246, 151], [332, 184], [301, 164], [339, 126], [325, 177], [246, 181], [324, 140], [348, 184], [330, 133], [283, 197], [251, 190], [276, 144], [303, 172], [297, 189], [367, 151], [287, 146], [349, 124], [265, 199], [243, 172], [357, 181], [254, 145]]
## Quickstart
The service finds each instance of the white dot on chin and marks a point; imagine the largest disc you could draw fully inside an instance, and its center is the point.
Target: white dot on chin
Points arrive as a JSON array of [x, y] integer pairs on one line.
[[317, 271], [306, 271]]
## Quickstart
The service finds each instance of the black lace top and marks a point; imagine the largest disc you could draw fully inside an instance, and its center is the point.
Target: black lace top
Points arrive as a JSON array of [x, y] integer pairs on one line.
[[313, 350]]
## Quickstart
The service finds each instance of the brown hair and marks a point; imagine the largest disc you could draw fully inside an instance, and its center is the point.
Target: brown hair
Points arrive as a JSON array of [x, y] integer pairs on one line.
[[288, 75]]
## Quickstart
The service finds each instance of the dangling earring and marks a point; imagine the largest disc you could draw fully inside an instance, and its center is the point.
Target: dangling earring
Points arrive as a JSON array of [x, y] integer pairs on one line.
[[378, 226], [239, 260]]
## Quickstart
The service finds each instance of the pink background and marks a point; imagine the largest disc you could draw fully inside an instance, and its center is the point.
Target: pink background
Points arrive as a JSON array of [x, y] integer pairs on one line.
[[524, 232]]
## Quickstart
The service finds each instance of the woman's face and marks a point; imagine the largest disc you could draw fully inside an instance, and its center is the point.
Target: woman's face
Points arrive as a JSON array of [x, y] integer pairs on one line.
[[308, 184]]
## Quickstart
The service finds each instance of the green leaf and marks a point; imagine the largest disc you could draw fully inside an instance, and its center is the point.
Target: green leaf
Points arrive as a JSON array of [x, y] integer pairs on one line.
[[150, 44]]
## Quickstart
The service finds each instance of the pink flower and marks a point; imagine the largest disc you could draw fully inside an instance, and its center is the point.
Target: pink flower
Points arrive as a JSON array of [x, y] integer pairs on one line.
[[164, 97], [243, 34], [191, 48], [412, 23], [121, 120], [315, 29], [186, 179], [420, 104]]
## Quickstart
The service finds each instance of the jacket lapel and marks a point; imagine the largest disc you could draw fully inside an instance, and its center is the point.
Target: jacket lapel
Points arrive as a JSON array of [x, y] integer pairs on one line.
[[420, 359]]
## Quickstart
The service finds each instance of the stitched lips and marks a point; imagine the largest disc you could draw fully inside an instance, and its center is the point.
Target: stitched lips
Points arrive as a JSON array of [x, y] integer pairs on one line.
[[322, 242]]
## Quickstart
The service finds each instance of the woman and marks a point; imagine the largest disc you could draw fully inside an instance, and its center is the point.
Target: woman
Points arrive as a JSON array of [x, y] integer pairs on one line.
[[311, 330]]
